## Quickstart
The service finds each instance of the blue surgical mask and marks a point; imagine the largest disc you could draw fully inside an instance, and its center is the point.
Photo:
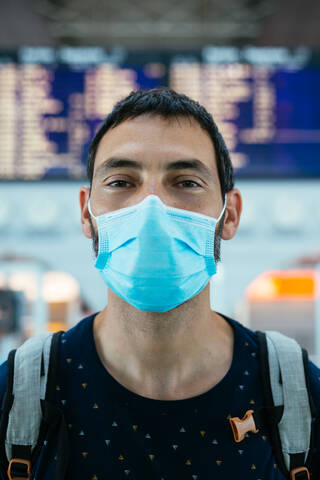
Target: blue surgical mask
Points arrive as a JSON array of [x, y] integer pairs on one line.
[[153, 256]]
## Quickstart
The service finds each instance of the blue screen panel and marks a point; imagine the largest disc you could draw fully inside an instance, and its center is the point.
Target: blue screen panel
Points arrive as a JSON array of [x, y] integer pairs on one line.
[[53, 102]]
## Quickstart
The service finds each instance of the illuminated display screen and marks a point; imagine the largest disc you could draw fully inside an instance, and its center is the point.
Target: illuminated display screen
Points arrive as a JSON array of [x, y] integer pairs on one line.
[[269, 117], [266, 104]]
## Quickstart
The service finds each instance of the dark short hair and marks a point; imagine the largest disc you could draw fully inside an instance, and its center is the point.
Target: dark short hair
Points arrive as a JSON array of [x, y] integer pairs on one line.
[[166, 103]]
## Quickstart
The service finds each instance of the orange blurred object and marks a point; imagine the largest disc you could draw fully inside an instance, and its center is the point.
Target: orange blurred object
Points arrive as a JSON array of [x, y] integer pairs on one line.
[[285, 285]]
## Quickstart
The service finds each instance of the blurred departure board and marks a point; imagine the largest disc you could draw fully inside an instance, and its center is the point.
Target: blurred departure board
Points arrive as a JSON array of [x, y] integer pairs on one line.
[[52, 102], [266, 103]]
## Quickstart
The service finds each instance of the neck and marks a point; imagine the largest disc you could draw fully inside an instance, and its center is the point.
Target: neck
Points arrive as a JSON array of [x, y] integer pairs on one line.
[[168, 355]]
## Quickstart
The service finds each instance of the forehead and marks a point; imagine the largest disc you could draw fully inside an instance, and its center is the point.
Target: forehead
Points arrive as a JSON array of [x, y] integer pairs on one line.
[[152, 138]]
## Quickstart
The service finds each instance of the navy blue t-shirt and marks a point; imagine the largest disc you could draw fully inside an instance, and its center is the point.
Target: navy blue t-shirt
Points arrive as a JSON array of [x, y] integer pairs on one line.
[[116, 434]]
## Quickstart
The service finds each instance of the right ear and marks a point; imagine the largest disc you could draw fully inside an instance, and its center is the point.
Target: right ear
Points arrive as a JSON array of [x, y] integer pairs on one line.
[[85, 222]]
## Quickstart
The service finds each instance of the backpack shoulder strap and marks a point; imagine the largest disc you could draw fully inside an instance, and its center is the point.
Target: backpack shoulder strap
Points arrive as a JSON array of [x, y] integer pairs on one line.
[[30, 369], [285, 383], [5, 409]]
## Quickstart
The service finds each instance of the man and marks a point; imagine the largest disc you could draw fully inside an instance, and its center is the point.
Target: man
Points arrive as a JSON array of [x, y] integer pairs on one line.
[[148, 384]]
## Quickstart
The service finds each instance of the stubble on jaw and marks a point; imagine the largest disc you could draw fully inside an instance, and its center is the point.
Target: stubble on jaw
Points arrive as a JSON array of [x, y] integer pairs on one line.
[[95, 239]]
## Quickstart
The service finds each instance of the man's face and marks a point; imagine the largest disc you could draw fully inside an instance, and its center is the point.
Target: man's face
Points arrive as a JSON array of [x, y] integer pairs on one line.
[[173, 159]]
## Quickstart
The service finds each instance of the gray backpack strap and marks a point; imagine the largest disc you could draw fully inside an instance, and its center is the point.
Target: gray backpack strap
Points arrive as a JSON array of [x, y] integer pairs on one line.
[[29, 388], [286, 366]]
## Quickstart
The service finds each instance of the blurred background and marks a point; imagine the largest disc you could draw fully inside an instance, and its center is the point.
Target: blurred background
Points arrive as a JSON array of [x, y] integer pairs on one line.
[[254, 64]]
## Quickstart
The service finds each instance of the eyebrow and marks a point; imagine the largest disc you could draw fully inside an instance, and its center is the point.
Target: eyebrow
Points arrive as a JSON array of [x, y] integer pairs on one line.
[[183, 164]]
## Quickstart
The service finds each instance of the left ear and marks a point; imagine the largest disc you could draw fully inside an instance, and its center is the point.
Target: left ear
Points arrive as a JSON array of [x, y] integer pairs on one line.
[[85, 223], [232, 215]]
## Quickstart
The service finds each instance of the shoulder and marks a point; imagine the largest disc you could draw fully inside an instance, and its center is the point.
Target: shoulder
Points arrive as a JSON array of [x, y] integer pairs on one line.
[[250, 339], [75, 336], [243, 334], [79, 335], [81, 328]]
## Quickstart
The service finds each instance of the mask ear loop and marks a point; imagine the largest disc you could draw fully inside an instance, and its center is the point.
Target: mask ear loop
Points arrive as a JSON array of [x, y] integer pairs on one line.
[[103, 252], [209, 253], [90, 211], [223, 210]]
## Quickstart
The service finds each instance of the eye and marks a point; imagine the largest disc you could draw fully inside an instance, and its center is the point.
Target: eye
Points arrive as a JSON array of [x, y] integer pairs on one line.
[[189, 182], [122, 182]]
